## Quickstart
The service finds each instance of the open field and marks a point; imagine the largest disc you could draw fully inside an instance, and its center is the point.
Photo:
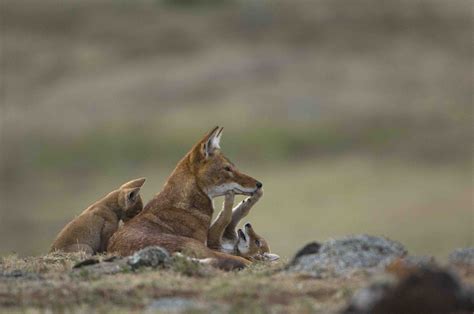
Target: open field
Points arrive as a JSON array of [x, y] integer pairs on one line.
[[356, 116], [426, 207], [350, 133]]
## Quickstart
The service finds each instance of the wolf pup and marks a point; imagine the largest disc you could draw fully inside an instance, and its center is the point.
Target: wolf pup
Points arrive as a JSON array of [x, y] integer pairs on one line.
[[178, 218], [247, 244], [91, 230]]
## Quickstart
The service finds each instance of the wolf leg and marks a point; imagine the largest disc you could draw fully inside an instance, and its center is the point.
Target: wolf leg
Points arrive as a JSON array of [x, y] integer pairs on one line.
[[239, 212], [214, 235]]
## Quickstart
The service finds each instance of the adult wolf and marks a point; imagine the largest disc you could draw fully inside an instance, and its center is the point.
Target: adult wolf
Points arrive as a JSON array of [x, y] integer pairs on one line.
[[178, 218]]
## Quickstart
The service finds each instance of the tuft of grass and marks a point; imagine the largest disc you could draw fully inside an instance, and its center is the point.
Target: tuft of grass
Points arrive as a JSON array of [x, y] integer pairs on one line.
[[54, 262], [185, 266]]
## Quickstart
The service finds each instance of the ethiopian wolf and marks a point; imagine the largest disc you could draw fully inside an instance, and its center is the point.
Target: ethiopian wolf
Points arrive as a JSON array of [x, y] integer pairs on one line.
[[91, 230], [246, 243], [178, 218]]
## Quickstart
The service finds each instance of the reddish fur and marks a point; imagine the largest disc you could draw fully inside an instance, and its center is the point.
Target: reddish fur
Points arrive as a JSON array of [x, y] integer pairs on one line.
[[90, 232], [223, 228], [178, 218], [256, 252]]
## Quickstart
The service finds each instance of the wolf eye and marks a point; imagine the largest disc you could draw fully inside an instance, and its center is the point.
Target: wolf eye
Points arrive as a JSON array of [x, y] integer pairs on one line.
[[257, 242], [227, 168]]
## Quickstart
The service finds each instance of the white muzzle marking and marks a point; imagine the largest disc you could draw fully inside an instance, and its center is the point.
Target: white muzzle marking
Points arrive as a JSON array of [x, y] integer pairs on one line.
[[228, 187]]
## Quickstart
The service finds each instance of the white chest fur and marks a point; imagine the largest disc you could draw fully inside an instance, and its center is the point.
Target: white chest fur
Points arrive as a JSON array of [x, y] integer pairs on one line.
[[227, 247]]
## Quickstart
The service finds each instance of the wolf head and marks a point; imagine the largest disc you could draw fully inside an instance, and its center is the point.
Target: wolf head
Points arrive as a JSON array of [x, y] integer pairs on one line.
[[129, 198], [252, 246], [216, 174]]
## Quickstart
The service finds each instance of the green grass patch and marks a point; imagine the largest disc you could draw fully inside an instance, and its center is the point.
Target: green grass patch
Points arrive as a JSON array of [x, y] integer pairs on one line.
[[115, 148]]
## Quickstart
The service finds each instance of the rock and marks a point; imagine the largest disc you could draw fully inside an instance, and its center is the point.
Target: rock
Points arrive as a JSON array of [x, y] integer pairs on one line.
[[15, 274], [172, 304], [152, 256], [103, 267], [419, 260], [19, 274], [341, 256], [87, 262], [310, 248], [425, 290], [462, 256]]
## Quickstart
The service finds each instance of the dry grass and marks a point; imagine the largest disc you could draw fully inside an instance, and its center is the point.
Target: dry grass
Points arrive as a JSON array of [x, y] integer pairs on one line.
[[48, 283]]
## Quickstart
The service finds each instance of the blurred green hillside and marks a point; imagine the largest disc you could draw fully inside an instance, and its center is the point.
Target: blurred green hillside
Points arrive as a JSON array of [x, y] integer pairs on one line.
[[357, 116]]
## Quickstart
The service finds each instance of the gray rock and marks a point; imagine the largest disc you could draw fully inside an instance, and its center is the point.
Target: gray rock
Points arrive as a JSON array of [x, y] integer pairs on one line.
[[340, 256], [462, 256], [87, 262], [172, 304], [419, 261], [19, 274], [152, 256], [102, 267]]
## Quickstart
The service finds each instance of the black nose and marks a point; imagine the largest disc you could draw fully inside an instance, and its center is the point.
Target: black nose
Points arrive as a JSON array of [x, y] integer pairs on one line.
[[248, 225], [259, 185]]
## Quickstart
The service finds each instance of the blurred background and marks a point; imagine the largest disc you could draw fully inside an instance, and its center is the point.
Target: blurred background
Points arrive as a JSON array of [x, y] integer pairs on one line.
[[356, 115]]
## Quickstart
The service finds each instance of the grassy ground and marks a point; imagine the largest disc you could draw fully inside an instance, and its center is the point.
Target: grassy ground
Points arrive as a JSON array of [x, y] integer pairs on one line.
[[49, 283]]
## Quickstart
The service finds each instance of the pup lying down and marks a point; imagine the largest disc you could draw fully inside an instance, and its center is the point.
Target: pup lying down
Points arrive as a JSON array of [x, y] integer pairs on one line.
[[247, 243]]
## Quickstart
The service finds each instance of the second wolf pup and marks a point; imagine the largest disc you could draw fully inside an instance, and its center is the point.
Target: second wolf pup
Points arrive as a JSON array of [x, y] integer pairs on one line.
[[247, 244], [91, 230]]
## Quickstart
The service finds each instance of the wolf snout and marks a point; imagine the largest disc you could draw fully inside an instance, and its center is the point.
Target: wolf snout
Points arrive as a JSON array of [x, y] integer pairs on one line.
[[259, 185]]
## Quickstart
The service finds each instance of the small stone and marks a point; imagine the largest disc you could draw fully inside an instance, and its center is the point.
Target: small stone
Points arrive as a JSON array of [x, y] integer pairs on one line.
[[419, 261], [152, 256], [342, 256], [104, 268], [172, 304], [86, 262], [17, 274], [463, 256]]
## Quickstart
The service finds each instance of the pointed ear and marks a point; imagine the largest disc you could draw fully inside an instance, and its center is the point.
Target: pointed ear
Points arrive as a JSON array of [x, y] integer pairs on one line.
[[137, 183], [131, 195], [211, 142], [206, 146], [270, 257]]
